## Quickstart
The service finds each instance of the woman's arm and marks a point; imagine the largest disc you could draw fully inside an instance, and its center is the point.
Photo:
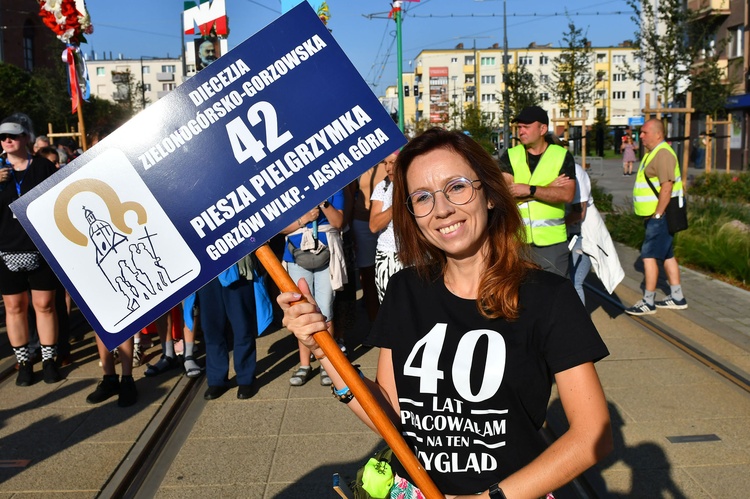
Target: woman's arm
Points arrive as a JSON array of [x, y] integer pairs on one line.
[[302, 221], [304, 320], [379, 218], [335, 217], [587, 441]]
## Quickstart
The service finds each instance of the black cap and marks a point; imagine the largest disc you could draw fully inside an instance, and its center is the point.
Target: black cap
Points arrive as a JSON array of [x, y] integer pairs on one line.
[[531, 114]]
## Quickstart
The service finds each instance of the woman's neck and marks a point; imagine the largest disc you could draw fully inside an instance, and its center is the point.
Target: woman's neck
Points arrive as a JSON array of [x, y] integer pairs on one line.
[[462, 277], [18, 160]]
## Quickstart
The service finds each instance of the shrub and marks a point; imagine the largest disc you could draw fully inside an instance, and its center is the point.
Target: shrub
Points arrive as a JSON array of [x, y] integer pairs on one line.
[[602, 199], [729, 186]]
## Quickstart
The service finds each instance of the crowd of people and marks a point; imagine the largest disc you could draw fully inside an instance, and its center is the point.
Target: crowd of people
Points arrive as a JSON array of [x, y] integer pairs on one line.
[[471, 271]]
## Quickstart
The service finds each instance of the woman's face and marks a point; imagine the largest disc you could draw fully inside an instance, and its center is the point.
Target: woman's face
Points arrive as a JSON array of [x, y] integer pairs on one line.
[[459, 230], [390, 163], [14, 144]]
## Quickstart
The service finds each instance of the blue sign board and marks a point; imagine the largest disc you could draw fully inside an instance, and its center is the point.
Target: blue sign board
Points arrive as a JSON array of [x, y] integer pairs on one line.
[[207, 174], [636, 121]]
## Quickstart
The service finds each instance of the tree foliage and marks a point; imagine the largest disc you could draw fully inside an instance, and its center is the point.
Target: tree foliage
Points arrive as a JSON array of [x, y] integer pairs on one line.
[[669, 40], [521, 90], [573, 80], [43, 96], [479, 126]]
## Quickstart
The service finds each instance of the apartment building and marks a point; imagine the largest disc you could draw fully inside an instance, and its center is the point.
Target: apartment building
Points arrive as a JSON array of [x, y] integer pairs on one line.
[[449, 79]]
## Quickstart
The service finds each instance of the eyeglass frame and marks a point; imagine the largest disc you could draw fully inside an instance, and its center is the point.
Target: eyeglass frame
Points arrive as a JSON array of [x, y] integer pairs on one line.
[[11, 136], [432, 194]]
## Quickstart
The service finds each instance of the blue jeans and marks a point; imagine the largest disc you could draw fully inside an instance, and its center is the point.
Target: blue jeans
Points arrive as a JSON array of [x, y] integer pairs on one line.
[[580, 265], [320, 286], [234, 304]]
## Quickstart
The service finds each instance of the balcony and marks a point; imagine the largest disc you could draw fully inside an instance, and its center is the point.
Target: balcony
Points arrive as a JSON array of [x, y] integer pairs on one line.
[[164, 76], [709, 8]]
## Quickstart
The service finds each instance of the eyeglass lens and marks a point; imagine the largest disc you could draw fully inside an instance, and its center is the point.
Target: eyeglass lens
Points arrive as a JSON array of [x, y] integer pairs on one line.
[[458, 191], [10, 136]]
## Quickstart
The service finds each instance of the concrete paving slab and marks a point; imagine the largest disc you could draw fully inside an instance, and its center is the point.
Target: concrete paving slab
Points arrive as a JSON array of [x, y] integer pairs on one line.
[[242, 491], [222, 461], [721, 481], [245, 417]]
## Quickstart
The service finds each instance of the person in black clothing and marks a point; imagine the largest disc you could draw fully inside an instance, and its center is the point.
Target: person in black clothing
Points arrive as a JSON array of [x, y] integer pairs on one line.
[[472, 335], [22, 268]]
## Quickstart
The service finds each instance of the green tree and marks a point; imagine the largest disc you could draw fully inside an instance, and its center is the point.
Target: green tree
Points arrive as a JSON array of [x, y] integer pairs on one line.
[[521, 89], [479, 126], [573, 80], [710, 91], [669, 40]]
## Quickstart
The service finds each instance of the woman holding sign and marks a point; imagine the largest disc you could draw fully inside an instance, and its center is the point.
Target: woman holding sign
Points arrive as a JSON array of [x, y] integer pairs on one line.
[[22, 268], [472, 335]]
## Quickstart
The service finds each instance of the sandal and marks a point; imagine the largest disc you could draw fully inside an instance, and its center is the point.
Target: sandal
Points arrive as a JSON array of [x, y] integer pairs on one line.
[[165, 364], [325, 380], [191, 372], [301, 376]]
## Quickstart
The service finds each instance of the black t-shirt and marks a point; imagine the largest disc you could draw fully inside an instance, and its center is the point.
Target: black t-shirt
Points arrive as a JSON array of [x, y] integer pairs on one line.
[[473, 392], [568, 167], [12, 235]]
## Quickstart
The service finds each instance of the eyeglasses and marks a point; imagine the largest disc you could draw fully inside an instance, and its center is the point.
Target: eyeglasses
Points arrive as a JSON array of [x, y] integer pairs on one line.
[[458, 191], [10, 136]]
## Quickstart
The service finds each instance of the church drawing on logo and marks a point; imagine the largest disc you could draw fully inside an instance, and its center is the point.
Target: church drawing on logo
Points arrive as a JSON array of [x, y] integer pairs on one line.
[[130, 264]]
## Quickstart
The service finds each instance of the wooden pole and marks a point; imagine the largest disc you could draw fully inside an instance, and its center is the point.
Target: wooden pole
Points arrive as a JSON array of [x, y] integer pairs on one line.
[[686, 147], [81, 127], [709, 143], [729, 139], [358, 387]]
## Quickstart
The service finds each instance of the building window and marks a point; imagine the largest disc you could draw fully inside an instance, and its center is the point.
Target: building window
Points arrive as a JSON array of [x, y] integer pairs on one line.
[[489, 97], [28, 46], [469, 79], [618, 95], [735, 42], [100, 71], [507, 59], [543, 78], [636, 94], [543, 60], [488, 79], [487, 61], [168, 86], [618, 59], [619, 77], [146, 69], [454, 60], [601, 57], [601, 94], [544, 96], [406, 90], [469, 60], [525, 60], [169, 68], [146, 87]]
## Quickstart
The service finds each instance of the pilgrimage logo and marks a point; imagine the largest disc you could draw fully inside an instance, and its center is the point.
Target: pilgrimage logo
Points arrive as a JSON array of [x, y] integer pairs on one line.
[[113, 240]]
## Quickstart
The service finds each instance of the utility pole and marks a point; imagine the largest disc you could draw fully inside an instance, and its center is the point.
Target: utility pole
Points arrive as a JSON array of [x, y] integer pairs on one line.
[[506, 97], [397, 16]]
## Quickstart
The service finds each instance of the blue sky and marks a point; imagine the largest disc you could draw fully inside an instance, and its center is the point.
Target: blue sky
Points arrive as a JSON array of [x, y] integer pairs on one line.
[[152, 27]]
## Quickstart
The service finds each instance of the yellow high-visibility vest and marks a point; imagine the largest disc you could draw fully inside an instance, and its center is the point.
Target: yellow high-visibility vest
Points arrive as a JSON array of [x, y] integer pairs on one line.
[[644, 198], [544, 222]]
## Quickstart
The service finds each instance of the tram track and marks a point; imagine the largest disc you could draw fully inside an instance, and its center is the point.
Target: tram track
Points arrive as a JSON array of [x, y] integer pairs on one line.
[[686, 345], [142, 470]]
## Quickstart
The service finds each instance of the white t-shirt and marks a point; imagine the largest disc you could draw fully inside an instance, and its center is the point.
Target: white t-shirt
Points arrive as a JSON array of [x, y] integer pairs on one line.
[[582, 195], [384, 194]]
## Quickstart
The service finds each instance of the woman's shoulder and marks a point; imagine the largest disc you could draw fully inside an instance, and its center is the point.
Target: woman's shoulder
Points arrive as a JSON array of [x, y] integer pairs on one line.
[[538, 280]]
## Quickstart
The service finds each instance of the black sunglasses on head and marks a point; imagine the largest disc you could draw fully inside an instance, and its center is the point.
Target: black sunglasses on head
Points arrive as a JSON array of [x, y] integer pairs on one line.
[[10, 136]]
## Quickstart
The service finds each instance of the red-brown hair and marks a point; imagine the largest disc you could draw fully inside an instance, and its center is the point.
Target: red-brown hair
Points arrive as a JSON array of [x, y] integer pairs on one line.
[[507, 260]]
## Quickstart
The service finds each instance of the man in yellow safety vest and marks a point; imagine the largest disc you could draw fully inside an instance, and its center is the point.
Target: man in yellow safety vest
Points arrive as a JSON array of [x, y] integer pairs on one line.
[[542, 177], [660, 168]]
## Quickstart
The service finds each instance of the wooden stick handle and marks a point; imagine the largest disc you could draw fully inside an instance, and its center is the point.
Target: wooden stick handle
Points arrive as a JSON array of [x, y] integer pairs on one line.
[[358, 387]]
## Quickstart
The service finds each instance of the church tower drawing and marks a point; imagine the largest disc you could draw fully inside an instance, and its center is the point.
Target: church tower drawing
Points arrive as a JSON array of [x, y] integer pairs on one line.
[[104, 238]]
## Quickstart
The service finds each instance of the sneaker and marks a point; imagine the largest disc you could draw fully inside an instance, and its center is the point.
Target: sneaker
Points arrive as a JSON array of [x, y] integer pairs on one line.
[[301, 376], [670, 302], [138, 355], [641, 308], [50, 372], [342, 347], [107, 387], [25, 374], [128, 392], [325, 380]]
